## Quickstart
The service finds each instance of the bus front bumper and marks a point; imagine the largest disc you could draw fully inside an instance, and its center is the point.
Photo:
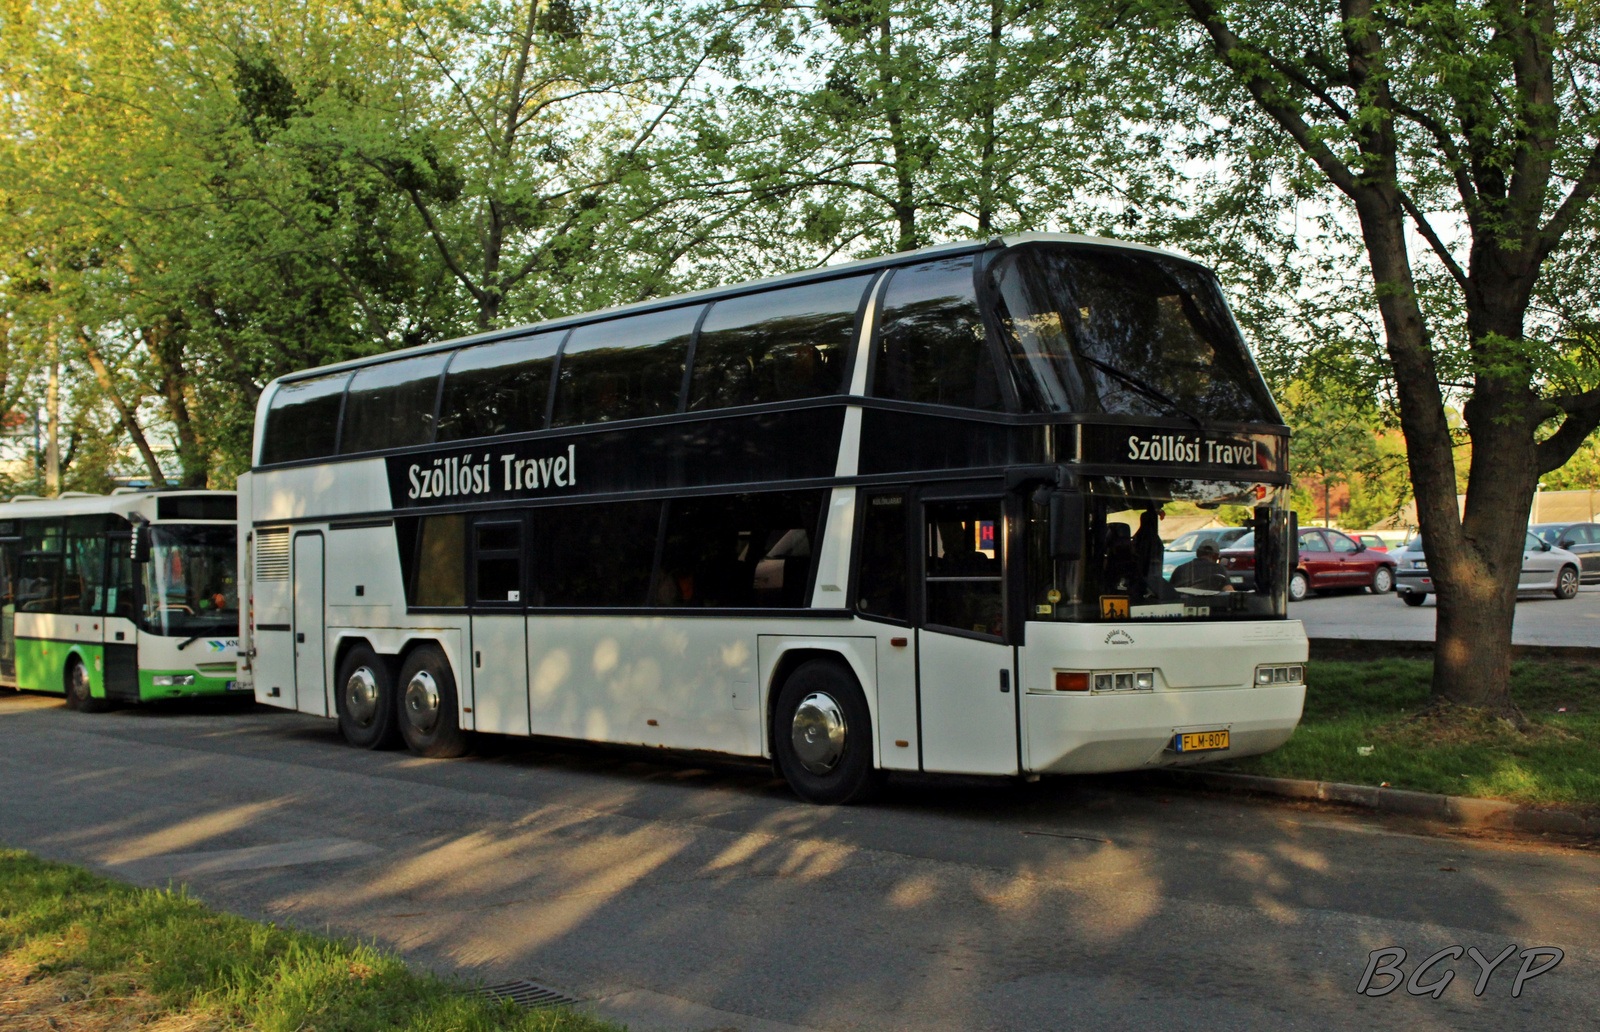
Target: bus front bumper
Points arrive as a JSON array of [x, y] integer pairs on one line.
[[1081, 734]]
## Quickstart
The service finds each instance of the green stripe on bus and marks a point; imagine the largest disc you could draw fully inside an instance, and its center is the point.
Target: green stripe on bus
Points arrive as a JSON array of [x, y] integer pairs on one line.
[[42, 665]]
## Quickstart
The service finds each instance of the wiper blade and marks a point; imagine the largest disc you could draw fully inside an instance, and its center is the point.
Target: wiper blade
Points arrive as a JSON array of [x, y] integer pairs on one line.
[[1145, 389], [191, 640]]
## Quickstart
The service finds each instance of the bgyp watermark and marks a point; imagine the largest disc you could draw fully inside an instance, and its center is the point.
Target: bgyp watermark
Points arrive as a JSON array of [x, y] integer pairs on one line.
[[1536, 960]]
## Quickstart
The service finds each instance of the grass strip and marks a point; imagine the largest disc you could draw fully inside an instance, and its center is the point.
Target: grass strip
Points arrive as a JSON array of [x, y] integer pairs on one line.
[[84, 952], [1368, 723]]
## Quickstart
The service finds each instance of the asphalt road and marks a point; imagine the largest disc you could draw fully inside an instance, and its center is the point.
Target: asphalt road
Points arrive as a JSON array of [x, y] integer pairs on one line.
[[686, 897], [1541, 619]]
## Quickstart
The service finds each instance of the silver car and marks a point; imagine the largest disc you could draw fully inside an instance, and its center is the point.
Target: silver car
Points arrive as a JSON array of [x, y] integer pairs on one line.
[[1544, 568], [1183, 549]]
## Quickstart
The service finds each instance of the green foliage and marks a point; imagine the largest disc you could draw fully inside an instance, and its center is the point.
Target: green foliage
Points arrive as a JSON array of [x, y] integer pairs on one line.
[[1554, 761], [239, 973]]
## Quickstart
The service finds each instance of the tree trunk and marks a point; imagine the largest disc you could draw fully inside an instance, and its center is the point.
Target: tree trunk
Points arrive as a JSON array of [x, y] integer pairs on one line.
[[52, 418], [129, 419]]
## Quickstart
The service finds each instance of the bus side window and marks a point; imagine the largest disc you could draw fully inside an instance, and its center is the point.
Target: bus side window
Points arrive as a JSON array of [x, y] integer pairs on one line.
[[593, 555], [303, 421], [83, 565], [881, 575], [777, 345], [441, 562], [390, 405], [499, 388], [624, 368], [931, 342], [739, 551]]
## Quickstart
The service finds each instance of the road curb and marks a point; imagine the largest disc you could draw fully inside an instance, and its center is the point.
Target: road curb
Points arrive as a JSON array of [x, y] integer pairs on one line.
[[1476, 813], [1415, 648]]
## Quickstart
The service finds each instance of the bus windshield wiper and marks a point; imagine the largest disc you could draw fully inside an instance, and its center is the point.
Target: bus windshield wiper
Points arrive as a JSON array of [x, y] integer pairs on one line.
[[191, 640], [1145, 389]]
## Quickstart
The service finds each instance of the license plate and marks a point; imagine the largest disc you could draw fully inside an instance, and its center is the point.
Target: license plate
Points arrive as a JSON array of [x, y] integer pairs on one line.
[[233, 686], [1237, 580], [1200, 741]]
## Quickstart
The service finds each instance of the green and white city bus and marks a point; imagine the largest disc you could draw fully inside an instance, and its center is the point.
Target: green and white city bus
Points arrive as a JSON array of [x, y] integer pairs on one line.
[[126, 597]]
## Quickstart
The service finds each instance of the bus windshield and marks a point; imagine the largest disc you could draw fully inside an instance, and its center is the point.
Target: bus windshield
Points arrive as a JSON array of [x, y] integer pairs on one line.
[[1121, 332], [1121, 576], [190, 583]]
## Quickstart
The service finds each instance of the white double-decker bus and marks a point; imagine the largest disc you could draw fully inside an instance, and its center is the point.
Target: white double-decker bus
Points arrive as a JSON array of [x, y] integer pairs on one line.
[[902, 514]]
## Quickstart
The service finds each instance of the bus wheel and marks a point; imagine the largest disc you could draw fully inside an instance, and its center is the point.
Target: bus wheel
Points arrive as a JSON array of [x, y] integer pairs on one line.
[[822, 735], [366, 702], [78, 695], [428, 720]]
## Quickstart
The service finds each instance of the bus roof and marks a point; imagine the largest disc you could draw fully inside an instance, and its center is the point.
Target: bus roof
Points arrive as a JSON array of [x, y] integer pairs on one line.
[[81, 503], [716, 293]]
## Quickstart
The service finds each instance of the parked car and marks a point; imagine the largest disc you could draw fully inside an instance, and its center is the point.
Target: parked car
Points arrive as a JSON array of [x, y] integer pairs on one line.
[[1368, 538], [1581, 539], [1544, 568], [1328, 559], [1183, 549]]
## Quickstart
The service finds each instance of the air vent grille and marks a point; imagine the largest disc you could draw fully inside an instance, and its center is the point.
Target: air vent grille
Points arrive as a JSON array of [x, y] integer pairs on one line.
[[272, 555], [528, 994]]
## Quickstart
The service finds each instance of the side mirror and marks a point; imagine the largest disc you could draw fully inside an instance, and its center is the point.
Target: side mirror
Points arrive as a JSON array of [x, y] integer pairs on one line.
[[1066, 525], [1360, 547], [1566, 544]]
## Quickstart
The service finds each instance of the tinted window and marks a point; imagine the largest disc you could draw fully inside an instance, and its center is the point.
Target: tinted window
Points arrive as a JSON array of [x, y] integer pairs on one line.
[[881, 579], [739, 551], [500, 388], [777, 345], [497, 561], [1341, 543], [1311, 541], [303, 421], [624, 368], [963, 564], [39, 578], [391, 405], [83, 565], [593, 555], [931, 345], [1098, 330], [439, 570], [1578, 535], [197, 507]]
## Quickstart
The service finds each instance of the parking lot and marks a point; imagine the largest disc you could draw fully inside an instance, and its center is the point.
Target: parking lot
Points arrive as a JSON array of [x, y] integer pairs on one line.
[[1541, 619]]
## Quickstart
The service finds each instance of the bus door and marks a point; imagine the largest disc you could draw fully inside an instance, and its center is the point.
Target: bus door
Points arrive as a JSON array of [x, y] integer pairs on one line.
[[310, 639], [966, 670], [10, 552], [495, 592], [121, 636]]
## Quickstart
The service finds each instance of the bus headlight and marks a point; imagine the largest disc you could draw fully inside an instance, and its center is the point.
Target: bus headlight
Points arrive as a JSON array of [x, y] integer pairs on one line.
[[1280, 674], [172, 680]]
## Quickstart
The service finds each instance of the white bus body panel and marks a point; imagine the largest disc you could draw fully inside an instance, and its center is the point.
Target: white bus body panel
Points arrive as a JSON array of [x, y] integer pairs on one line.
[[499, 673], [329, 490], [1204, 674], [310, 626], [969, 706]]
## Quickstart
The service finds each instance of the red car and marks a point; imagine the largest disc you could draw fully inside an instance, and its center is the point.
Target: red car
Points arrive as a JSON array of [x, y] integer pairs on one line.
[[1328, 559]]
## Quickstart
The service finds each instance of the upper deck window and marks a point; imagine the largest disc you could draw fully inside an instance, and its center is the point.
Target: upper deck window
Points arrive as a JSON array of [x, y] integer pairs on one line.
[[1098, 330], [931, 346], [624, 368], [499, 388], [303, 422], [391, 405], [777, 345]]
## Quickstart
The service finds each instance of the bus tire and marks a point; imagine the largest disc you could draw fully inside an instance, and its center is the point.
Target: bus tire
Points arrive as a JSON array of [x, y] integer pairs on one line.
[[428, 711], [822, 735], [368, 710], [79, 697]]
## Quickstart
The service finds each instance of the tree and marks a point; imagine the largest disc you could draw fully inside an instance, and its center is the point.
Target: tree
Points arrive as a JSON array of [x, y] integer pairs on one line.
[[1473, 128]]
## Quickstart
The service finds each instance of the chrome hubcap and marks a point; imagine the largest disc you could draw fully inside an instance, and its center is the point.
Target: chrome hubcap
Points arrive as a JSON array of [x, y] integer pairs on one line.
[[818, 733], [361, 697], [422, 701], [80, 681]]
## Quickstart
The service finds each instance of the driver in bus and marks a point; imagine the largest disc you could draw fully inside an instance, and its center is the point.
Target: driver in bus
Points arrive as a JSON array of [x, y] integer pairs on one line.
[[1204, 572]]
